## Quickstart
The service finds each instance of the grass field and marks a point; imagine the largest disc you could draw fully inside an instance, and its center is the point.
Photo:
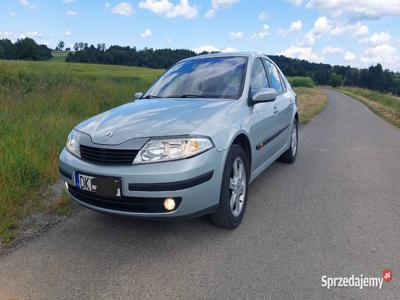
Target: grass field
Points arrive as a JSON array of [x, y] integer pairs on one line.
[[40, 102], [58, 56], [384, 105], [311, 102]]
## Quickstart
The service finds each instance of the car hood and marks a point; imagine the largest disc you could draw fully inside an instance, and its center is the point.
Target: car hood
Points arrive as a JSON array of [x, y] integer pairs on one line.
[[150, 117]]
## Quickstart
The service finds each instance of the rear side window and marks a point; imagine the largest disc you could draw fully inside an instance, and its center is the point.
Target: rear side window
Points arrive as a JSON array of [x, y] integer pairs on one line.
[[258, 78], [274, 76]]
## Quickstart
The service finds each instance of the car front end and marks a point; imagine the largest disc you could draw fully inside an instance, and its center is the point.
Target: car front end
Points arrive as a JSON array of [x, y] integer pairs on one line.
[[141, 180]]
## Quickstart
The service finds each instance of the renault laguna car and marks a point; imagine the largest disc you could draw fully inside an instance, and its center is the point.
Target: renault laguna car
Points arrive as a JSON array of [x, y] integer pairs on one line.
[[190, 145]]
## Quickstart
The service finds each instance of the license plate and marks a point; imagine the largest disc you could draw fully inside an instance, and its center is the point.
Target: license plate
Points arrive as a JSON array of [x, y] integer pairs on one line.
[[102, 186]]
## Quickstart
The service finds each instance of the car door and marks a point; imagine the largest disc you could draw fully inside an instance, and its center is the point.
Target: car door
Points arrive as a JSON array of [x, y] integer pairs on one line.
[[282, 106], [263, 123]]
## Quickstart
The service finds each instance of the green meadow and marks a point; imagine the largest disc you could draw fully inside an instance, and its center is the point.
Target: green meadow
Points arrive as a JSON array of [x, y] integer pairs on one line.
[[40, 102]]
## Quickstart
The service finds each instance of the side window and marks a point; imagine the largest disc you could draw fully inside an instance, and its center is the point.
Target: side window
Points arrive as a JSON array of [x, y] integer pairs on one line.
[[283, 80], [258, 79], [274, 76]]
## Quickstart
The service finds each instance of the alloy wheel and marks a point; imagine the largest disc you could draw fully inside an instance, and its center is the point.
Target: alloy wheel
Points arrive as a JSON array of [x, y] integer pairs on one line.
[[237, 186]]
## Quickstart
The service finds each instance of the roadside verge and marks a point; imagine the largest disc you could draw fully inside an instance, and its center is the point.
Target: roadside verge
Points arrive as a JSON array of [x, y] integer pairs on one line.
[[384, 105]]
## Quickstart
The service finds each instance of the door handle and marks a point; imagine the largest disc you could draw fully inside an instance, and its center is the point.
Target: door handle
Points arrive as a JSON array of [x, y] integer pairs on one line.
[[276, 110]]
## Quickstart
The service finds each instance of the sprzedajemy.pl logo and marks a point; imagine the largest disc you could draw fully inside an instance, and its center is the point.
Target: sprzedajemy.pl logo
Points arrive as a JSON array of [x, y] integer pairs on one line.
[[357, 281]]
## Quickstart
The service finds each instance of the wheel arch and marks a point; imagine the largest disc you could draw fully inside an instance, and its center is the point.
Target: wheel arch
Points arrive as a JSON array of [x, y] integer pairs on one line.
[[243, 140]]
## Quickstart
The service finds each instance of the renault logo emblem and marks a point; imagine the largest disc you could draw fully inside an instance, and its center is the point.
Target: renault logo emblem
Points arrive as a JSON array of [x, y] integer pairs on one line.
[[109, 134]]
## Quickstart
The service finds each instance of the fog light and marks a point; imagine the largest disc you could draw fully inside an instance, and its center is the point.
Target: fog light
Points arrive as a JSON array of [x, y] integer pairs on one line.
[[169, 204], [66, 185]]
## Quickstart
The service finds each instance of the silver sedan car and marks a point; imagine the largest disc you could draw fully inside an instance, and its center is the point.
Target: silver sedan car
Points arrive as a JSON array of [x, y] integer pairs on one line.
[[190, 145]]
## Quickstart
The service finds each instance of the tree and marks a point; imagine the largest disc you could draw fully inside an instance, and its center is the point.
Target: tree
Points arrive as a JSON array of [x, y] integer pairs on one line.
[[60, 45], [101, 47], [7, 49], [322, 77], [336, 80], [76, 47], [28, 49]]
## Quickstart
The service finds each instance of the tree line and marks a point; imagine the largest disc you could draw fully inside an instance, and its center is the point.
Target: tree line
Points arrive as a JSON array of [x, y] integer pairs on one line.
[[374, 77], [117, 55], [25, 48]]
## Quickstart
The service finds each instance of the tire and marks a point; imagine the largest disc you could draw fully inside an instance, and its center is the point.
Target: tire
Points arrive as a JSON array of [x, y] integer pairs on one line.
[[289, 156], [227, 215]]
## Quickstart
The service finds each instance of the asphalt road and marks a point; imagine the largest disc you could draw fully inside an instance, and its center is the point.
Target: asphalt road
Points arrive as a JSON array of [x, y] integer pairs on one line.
[[336, 212]]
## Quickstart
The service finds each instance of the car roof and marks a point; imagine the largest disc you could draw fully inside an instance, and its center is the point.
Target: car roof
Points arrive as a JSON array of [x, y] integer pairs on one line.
[[230, 54]]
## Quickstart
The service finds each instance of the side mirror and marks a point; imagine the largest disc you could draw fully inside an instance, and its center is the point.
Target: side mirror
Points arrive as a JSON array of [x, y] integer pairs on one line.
[[265, 95], [138, 95]]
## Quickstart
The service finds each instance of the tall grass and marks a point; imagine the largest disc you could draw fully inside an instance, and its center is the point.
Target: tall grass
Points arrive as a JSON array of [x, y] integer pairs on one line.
[[39, 104], [311, 101], [384, 105], [301, 82]]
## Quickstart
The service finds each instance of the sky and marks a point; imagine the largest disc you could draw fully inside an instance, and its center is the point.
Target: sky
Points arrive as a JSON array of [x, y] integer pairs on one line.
[[346, 32]]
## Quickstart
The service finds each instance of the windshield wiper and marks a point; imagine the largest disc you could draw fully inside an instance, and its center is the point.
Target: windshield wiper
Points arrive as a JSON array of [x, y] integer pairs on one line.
[[150, 97], [188, 96]]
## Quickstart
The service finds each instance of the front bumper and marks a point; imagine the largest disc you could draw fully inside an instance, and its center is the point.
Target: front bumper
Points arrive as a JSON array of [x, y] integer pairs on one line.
[[195, 182]]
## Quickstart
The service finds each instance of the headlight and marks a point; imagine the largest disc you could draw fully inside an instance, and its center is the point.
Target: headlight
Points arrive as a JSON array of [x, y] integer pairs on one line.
[[73, 142], [157, 150]]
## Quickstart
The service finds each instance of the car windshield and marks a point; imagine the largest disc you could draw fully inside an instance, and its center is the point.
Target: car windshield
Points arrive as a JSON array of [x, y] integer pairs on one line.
[[216, 77]]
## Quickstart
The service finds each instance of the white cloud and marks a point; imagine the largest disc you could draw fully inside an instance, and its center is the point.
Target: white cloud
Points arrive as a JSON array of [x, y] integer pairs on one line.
[[24, 2], [11, 35], [332, 50], [358, 9], [71, 12], [263, 15], [321, 26], [14, 35], [357, 29], [68, 1], [212, 48], [33, 34], [377, 38], [123, 9], [107, 5], [294, 27], [218, 4], [67, 33], [210, 13], [384, 54], [264, 32], [146, 33], [295, 2], [168, 41], [349, 56], [236, 35], [183, 9], [27, 4], [324, 26], [229, 49], [12, 13], [168, 9], [223, 3], [306, 53]]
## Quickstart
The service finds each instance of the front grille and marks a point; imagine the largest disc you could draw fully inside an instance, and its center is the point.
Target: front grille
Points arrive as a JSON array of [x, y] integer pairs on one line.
[[112, 157], [122, 204]]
